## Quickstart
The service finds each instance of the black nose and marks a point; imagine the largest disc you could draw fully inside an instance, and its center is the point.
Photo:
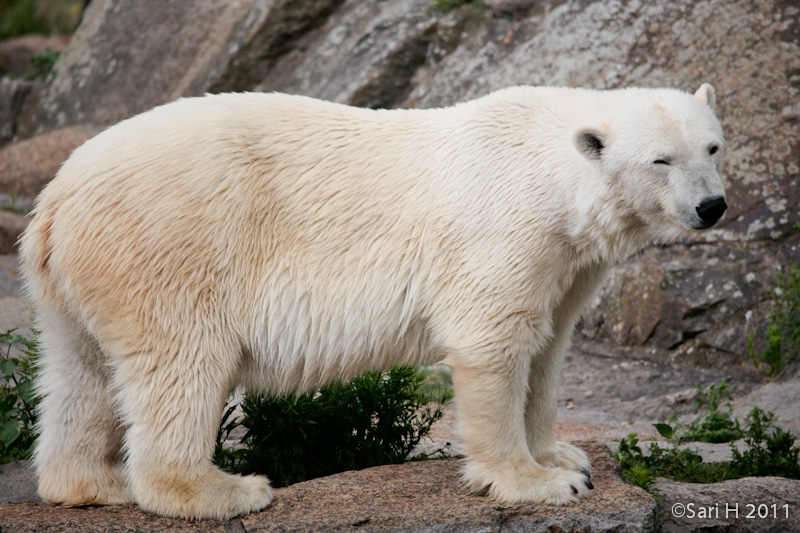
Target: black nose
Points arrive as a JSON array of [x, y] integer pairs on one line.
[[711, 209]]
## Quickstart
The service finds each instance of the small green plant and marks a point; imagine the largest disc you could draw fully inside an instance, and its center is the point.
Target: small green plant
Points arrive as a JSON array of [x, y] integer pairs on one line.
[[641, 476], [42, 64], [771, 453], [782, 338], [12, 203], [449, 5], [675, 462], [712, 425], [377, 418], [17, 397], [634, 470]]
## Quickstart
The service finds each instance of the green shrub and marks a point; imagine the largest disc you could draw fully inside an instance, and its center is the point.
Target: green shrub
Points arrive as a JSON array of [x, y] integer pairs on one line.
[[18, 17], [17, 398], [377, 418], [46, 17], [782, 338]]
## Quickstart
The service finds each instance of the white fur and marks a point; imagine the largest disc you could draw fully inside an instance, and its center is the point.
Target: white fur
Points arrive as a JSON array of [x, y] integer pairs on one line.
[[281, 242]]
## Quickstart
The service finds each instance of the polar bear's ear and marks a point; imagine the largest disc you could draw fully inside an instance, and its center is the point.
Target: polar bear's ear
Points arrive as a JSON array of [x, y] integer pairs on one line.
[[707, 95], [590, 143]]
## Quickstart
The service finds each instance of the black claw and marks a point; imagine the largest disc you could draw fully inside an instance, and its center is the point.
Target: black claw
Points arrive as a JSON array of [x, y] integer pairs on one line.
[[574, 490], [586, 472], [589, 485]]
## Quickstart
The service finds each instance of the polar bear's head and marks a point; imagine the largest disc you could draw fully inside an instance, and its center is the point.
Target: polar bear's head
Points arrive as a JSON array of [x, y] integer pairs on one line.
[[661, 158]]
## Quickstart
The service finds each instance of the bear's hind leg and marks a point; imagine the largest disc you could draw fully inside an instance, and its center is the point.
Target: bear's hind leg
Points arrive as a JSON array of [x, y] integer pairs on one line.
[[544, 380], [173, 404], [77, 451], [540, 417]]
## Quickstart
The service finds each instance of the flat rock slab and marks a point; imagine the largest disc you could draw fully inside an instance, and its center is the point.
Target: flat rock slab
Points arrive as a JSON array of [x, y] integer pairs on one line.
[[17, 482], [748, 504], [419, 496], [39, 517]]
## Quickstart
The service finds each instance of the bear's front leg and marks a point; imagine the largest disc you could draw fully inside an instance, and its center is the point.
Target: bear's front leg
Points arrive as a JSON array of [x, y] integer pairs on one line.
[[491, 402]]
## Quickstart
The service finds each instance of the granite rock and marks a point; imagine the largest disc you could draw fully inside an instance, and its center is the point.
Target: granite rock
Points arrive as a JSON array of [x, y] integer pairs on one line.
[[13, 93], [417, 496], [27, 166], [737, 505], [127, 57]]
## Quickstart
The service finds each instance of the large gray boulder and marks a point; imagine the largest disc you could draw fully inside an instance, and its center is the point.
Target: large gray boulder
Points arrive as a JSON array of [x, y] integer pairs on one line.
[[365, 55], [127, 57]]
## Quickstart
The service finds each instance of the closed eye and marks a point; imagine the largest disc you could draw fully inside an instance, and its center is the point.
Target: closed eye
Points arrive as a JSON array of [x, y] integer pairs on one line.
[[661, 162]]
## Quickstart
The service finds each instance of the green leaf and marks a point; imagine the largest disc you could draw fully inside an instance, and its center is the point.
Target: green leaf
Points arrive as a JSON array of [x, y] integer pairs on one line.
[[665, 430], [8, 366], [26, 392], [9, 432]]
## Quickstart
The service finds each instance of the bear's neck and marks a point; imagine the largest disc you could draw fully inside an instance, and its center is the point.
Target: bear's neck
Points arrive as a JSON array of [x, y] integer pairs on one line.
[[603, 229]]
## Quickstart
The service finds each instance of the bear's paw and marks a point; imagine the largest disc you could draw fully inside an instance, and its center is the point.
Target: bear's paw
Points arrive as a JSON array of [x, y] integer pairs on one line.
[[215, 495], [528, 483], [564, 455], [84, 485]]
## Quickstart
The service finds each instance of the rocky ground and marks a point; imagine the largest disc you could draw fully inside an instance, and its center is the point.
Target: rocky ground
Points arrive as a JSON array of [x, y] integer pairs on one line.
[[667, 319]]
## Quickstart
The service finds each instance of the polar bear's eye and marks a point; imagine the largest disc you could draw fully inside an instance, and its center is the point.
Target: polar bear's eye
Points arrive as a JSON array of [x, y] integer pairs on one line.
[[661, 162], [713, 149]]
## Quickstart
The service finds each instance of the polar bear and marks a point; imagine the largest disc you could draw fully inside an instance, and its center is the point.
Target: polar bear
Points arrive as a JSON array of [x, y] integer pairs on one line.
[[279, 242]]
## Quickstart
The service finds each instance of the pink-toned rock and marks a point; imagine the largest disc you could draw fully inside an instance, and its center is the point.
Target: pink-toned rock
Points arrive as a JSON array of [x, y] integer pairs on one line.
[[27, 166], [426, 496], [42, 518], [417, 496]]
